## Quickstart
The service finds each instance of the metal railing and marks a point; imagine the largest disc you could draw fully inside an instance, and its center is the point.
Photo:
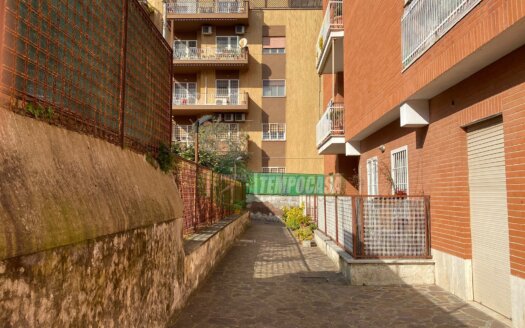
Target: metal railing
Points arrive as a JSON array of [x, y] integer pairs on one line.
[[100, 68], [290, 4], [374, 226], [208, 197], [178, 7], [332, 123], [333, 20], [210, 53], [210, 99], [426, 21]]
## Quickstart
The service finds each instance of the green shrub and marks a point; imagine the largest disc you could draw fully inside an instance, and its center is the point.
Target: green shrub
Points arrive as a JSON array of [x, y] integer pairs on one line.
[[304, 233], [301, 224]]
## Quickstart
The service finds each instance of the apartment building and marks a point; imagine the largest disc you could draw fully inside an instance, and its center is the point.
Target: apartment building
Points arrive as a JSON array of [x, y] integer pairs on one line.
[[246, 63], [433, 95]]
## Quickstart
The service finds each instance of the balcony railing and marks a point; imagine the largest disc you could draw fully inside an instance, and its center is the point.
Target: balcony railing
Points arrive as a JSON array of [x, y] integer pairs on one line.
[[333, 20], [332, 123], [210, 53], [210, 99], [426, 21], [207, 7]]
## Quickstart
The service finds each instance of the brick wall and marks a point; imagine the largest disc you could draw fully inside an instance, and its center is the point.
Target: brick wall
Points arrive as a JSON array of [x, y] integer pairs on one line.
[[374, 80], [437, 154]]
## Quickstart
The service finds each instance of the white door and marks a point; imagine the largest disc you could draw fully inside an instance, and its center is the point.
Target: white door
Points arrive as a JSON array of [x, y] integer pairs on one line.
[[488, 216]]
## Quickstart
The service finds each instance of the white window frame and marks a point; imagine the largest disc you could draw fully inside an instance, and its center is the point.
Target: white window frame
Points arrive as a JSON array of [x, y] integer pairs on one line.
[[274, 51], [230, 47], [188, 51], [233, 98], [274, 169], [393, 168], [372, 172], [190, 99], [276, 126], [283, 96]]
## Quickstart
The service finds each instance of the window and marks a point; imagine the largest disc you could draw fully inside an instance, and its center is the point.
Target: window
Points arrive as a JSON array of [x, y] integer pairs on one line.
[[274, 131], [371, 169], [227, 92], [273, 170], [399, 160], [274, 45], [228, 131], [274, 88], [185, 49], [185, 93], [228, 45], [182, 133]]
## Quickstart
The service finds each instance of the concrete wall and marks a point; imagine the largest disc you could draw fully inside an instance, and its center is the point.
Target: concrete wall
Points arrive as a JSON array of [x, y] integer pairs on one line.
[[60, 187], [90, 234], [269, 206]]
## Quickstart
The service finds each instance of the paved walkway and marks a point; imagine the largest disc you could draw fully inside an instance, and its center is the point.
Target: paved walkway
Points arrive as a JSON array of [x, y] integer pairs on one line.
[[267, 280]]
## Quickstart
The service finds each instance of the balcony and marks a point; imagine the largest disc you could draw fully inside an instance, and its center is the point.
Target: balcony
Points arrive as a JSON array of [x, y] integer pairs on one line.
[[330, 40], [331, 130], [216, 12], [426, 21], [191, 60], [206, 103]]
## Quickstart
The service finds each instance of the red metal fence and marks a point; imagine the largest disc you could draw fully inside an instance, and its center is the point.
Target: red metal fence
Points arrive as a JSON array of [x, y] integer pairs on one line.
[[97, 67], [374, 226], [208, 197]]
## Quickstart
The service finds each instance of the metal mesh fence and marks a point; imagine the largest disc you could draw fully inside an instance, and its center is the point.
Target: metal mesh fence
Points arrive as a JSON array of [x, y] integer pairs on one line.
[[65, 61], [208, 197], [393, 227], [345, 222], [375, 226], [331, 220], [321, 221]]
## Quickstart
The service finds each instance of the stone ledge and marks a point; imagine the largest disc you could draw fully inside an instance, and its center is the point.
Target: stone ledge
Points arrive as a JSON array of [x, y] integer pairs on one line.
[[194, 241], [377, 272]]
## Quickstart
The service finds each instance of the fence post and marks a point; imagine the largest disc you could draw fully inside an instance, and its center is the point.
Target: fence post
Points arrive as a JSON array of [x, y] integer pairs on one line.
[[354, 226], [123, 60], [336, 222], [428, 227], [195, 197], [324, 209], [212, 200]]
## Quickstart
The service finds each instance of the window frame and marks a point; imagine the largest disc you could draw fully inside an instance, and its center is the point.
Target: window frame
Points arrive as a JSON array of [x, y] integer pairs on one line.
[[392, 169], [283, 96], [369, 174], [269, 132], [276, 168]]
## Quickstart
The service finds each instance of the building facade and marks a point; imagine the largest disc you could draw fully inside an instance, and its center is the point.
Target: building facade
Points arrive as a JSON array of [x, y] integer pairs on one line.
[[434, 104], [245, 63]]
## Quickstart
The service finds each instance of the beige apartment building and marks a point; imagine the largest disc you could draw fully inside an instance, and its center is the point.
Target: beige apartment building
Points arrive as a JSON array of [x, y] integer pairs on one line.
[[249, 64]]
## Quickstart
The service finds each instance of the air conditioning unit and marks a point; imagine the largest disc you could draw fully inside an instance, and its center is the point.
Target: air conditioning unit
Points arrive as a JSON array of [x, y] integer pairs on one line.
[[221, 101], [240, 29], [240, 117], [229, 117], [207, 30]]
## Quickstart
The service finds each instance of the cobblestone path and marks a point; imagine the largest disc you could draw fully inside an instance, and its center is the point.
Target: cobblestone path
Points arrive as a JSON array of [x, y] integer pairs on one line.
[[268, 280]]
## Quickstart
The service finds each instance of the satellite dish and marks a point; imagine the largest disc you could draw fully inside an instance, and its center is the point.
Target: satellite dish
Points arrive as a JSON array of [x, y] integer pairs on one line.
[[243, 43]]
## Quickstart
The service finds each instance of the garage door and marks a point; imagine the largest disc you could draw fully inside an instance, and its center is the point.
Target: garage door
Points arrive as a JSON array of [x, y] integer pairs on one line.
[[488, 215]]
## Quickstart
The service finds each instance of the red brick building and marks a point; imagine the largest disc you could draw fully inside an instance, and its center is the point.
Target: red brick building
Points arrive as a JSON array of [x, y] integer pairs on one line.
[[433, 96]]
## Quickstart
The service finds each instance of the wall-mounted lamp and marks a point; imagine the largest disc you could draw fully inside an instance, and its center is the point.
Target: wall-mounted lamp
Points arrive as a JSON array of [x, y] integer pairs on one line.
[[382, 148]]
